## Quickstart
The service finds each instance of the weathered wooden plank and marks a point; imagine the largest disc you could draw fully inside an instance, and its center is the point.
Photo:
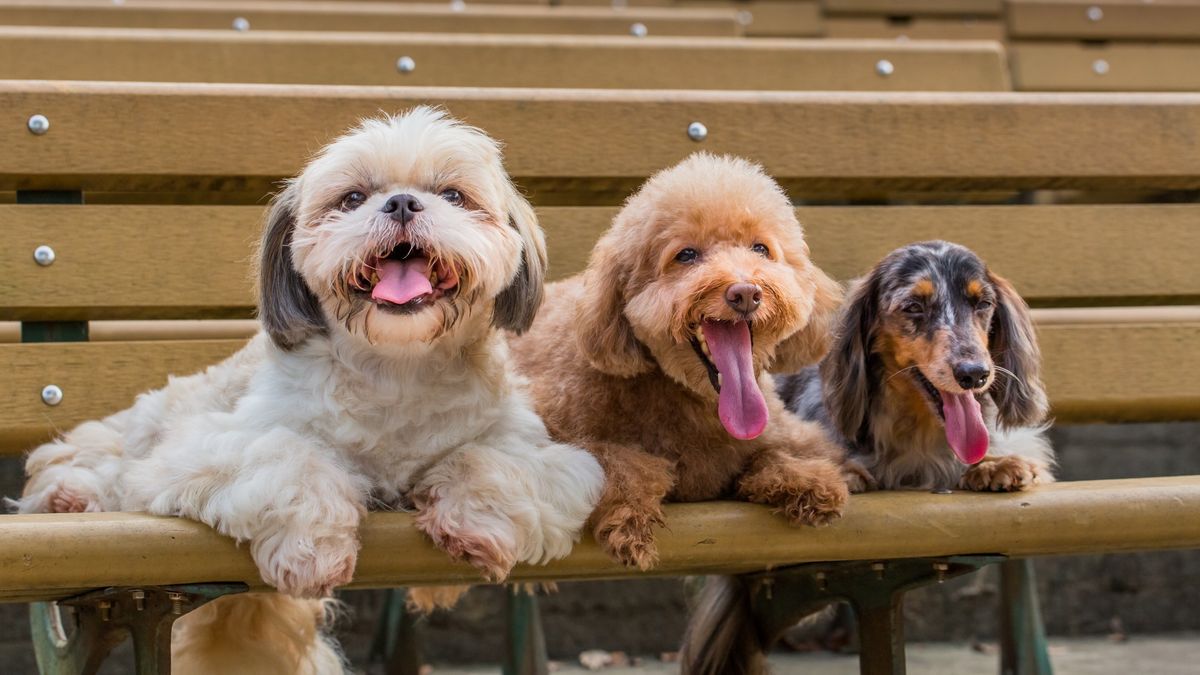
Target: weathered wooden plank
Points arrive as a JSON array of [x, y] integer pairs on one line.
[[144, 136], [1105, 19], [1119, 371], [497, 60], [915, 28], [369, 16], [906, 7], [48, 556], [1041, 66], [1119, 254]]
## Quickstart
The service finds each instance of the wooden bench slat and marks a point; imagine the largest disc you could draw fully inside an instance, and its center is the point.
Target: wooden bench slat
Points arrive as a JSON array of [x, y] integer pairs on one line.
[[344, 16], [1118, 19], [197, 264], [917, 28], [905, 7], [497, 60], [52, 555], [1119, 371], [142, 136], [1041, 66]]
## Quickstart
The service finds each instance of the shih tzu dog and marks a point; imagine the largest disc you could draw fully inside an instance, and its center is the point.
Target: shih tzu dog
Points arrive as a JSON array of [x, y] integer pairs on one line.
[[388, 270]]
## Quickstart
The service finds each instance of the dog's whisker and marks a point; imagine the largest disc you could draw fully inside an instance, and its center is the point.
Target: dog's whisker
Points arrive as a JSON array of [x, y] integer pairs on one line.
[[902, 370]]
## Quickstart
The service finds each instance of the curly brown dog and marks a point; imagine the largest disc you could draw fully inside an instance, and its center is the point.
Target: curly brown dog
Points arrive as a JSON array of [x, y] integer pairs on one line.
[[656, 358]]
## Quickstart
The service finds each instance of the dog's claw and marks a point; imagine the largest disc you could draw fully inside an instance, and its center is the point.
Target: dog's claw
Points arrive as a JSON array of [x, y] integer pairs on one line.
[[1000, 474]]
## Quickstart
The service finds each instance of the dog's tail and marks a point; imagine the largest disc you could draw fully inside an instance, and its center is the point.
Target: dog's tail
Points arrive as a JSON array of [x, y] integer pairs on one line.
[[721, 638], [257, 634]]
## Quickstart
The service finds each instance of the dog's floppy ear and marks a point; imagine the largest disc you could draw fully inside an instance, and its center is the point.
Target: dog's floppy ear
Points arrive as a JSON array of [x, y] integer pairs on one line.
[[846, 369], [1019, 395], [288, 310], [603, 333], [809, 344], [518, 304]]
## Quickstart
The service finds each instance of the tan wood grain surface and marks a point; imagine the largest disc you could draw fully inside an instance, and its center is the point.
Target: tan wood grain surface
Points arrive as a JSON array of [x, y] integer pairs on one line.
[[915, 28], [133, 136], [497, 60], [50, 555], [1048, 66], [1118, 371], [369, 16], [1105, 19], [122, 262], [904, 7]]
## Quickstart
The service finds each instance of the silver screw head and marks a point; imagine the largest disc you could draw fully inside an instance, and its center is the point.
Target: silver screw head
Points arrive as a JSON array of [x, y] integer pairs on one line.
[[51, 394], [697, 131], [1100, 66], [38, 125], [745, 17], [1094, 13], [241, 24], [638, 30], [405, 64], [883, 68], [43, 255], [620, 4], [457, 5]]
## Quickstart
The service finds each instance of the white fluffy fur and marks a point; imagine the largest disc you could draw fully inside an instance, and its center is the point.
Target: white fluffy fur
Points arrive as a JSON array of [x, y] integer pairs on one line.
[[285, 445]]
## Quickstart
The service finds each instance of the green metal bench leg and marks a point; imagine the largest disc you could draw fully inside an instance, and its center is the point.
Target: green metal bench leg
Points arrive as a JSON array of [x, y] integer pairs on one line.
[[74, 636], [525, 651], [397, 643], [1023, 649]]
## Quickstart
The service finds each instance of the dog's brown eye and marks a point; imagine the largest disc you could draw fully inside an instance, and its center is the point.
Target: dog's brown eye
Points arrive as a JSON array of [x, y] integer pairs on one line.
[[453, 196], [761, 249], [913, 309], [983, 306], [352, 201], [687, 256]]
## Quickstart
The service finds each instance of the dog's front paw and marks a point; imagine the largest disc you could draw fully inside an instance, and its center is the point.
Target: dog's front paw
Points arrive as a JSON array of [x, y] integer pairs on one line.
[[806, 492], [627, 535], [817, 503], [1001, 474], [306, 568], [482, 539], [858, 478]]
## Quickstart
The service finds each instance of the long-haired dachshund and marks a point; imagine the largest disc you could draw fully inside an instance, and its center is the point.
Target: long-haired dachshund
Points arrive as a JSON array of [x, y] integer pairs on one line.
[[932, 383]]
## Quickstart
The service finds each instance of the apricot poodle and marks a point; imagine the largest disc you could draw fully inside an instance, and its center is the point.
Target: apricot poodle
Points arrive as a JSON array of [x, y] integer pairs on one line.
[[656, 358]]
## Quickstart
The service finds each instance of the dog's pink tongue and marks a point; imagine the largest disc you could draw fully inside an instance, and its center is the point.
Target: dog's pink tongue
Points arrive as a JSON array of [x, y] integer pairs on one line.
[[965, 431], [740, 405], [402, 280]]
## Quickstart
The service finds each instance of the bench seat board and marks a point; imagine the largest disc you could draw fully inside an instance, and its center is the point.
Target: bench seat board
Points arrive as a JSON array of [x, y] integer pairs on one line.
[[334, 16], [906, 7], [197, 261], [915, 28], [1118, 20], [498, 60], [1048, 66], [152, 136], [48, 556], [1097, 371]]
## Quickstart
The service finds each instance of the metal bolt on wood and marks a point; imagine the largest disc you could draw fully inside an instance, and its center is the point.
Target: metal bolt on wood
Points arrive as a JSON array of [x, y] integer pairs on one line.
[[821, 580], [139, 599], [1100, 66], [176, 603], [1094, 13], [38, 125], [51, 394], [105, 608], [406, 64], [884, 68], [639, 30], [879, 569], [941, 569], [697, 131], [241, 24], [43, 255]]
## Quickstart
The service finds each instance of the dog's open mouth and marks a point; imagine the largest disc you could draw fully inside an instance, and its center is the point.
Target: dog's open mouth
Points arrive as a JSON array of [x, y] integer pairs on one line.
[[962, 417], [406, 280], [726, 350]]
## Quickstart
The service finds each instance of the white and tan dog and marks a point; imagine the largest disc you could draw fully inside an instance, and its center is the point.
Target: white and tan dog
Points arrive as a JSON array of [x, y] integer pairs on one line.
[[388, 268]]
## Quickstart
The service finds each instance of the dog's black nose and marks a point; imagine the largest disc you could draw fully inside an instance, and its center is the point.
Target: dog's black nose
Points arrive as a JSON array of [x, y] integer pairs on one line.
[[744, 298], [971, 375], [402, 207]]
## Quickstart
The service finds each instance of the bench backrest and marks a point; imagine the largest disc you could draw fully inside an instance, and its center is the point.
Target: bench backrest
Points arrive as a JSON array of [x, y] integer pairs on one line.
[[1114, 285]]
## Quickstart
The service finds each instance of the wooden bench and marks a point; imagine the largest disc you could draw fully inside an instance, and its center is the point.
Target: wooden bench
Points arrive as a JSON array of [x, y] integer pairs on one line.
[[1110, 45], [914, 19], [253, 15], [167, 55], [1118, 324], [761, 18]]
